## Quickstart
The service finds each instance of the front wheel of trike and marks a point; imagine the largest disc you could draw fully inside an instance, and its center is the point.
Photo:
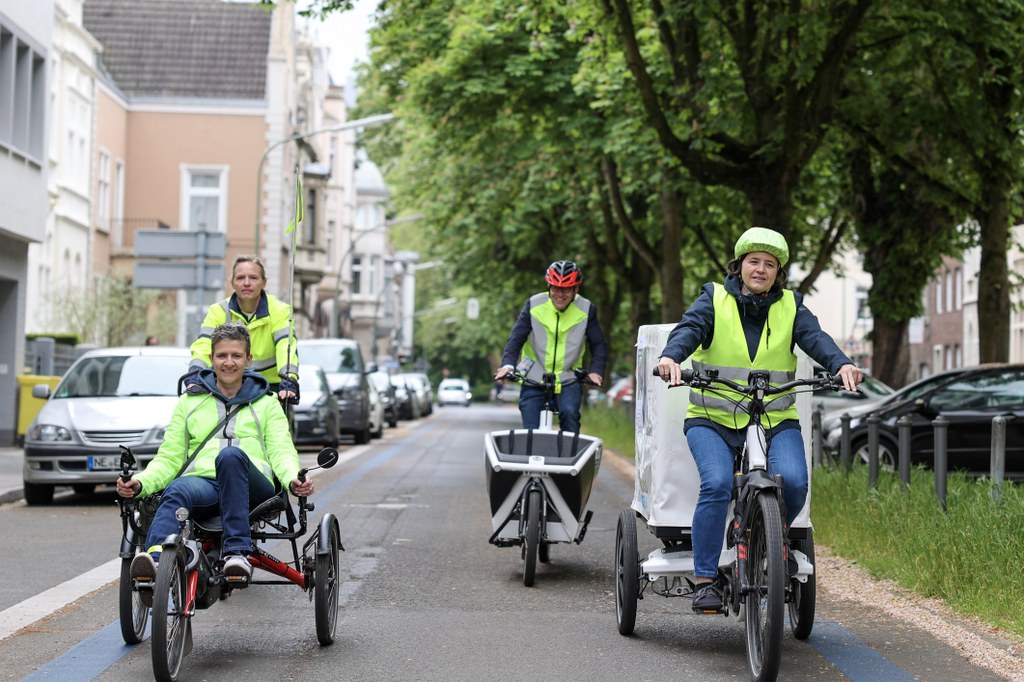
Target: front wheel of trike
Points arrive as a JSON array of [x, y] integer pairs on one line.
[[134, 614], [327, 581], [170, 622], [766, 601]]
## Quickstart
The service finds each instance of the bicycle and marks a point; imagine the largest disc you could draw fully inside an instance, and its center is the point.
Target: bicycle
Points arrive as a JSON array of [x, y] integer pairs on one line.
[[539, 482], [190, 573], [757, 548]]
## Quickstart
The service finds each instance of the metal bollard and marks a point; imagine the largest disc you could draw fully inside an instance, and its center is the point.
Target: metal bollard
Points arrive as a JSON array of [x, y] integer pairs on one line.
[[817, 437], [903, 424], [997, 465], [873, 422], [844, 441], [941, 426]]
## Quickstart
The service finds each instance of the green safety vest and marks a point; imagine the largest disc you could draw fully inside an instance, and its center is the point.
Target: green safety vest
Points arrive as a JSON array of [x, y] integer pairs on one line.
[[728, 354], [557, 339]]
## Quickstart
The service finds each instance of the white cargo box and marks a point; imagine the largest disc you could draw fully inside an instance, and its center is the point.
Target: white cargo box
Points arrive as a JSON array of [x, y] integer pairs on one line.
[[666, 486]]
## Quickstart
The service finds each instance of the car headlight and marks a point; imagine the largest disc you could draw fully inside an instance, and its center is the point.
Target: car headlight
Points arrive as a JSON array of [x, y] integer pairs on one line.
[[50, 433]]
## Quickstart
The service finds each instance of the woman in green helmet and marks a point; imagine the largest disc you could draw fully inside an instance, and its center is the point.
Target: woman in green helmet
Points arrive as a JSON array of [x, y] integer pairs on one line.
[[748, 322]]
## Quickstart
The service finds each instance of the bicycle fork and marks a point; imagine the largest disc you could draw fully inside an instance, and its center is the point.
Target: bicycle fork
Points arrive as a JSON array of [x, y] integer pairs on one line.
[[747, 489], [534, 484]]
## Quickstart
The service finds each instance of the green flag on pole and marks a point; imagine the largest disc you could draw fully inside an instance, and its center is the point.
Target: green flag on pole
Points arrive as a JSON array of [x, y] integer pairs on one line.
[[298, 205]]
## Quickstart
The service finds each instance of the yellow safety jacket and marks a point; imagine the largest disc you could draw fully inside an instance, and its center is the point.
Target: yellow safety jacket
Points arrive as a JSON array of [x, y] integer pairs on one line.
[[270, 333], [557, 339], [729, 354]]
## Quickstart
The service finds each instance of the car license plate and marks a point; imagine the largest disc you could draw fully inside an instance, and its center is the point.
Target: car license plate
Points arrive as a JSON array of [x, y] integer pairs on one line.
[[103, 462]]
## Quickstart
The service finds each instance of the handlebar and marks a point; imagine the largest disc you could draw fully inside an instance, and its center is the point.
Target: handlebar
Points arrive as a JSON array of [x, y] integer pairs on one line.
[[582, 376], [758, 381]]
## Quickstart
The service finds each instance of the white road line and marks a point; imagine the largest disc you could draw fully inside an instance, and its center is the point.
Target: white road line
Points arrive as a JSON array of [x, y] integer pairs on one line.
[[56, 598]]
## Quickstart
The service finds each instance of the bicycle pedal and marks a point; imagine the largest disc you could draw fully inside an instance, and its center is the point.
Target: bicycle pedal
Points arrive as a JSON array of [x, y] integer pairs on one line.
[[237, 582]]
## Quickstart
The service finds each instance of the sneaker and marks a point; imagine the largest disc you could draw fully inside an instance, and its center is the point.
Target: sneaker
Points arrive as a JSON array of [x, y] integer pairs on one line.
[[143, 574], [708, 597], [237, 568], [143, 568]]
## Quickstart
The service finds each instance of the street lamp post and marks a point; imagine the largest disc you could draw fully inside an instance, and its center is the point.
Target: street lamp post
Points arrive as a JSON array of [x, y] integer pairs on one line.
[[348, 125]]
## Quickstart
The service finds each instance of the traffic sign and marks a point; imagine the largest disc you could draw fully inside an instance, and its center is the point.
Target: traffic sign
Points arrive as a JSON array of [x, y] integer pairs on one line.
[[177, 275], [179, 244]]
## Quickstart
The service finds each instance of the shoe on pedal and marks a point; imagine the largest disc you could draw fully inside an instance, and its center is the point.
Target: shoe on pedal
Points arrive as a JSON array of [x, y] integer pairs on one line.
[[142, 571], [708, 597], [237, 569]]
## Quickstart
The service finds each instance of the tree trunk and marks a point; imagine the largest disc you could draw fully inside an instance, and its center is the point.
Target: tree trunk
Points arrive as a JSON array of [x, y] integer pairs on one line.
[[891, 352], [994, 279]]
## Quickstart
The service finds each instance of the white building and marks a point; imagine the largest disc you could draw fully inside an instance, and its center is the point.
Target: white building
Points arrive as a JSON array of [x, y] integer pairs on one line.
[[26, 54]]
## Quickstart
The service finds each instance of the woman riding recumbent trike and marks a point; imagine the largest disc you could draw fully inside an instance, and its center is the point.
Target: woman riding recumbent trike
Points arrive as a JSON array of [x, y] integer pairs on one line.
[[190, 573], [539, 483]]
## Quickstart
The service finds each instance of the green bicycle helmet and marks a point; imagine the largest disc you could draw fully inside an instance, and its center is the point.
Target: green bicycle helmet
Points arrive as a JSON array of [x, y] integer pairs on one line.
[[763, 239]]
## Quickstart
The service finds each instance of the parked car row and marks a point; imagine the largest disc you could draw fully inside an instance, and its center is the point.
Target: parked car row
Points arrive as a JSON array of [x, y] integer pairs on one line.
[[968, 398]]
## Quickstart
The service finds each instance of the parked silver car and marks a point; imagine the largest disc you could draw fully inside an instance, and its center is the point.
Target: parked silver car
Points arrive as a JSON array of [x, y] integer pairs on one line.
[[109, 397], [418, 382]]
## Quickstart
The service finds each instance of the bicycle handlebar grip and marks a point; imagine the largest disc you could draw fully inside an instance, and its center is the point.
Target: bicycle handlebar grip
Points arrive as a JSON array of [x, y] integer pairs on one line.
[[302, 475]]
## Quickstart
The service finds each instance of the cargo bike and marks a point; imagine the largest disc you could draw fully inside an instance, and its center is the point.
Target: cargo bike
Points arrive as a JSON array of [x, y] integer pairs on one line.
[[764, 568], [539, 483]]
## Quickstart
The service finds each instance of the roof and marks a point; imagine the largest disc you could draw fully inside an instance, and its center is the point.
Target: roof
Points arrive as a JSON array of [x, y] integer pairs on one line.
[[182, 48]]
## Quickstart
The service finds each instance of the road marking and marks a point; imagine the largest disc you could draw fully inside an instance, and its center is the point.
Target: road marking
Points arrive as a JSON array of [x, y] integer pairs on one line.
[[852, 657], [52, 600], [90, 658]]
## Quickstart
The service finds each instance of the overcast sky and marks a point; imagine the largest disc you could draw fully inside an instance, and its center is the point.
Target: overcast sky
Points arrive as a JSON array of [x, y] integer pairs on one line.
[[345, 34]]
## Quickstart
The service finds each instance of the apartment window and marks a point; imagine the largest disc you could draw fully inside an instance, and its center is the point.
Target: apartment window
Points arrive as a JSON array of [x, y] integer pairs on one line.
[[331, 256], [118, 204], [23, 93], [949, 292], [309, 219], [958, 284], [863, 310], [364, 275], [205, 199], [103, 192], [938, 294], [958, 359]]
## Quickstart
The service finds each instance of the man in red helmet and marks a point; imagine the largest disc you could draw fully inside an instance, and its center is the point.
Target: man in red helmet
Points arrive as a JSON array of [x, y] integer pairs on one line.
[[549, 336]]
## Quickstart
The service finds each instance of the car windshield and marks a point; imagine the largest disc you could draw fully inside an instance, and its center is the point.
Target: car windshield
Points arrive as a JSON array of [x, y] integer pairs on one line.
[[119, 375], [381, 381], [332, 359], [993, 390], [311, 384], [876, 386]]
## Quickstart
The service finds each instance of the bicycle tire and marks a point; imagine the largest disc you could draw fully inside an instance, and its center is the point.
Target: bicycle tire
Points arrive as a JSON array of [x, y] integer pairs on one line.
[[133, 613], [326, 586], [627, 572], [170, 622], [801, 606], [766, 600], [533, 502]]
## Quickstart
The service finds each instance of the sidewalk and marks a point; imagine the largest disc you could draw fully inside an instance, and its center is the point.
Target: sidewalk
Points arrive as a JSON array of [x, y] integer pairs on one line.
[[10, 474]]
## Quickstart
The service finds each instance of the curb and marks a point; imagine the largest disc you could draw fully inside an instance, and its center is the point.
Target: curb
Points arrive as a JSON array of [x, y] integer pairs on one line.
[[12, 495]]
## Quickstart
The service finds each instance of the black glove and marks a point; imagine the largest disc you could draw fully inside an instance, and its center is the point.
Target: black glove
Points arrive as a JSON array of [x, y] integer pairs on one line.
[[288, 384], [192, 383]]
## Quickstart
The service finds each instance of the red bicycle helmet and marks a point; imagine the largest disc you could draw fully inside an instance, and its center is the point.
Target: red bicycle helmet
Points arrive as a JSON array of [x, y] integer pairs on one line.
[[563, 273]]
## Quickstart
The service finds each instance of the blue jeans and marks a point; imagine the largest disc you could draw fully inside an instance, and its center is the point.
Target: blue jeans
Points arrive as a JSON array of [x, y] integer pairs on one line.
[[238, 488], [714, 461], [531, 401]]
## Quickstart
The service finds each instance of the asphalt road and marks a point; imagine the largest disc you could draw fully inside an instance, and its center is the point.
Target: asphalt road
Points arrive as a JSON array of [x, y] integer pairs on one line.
[[425, 596]]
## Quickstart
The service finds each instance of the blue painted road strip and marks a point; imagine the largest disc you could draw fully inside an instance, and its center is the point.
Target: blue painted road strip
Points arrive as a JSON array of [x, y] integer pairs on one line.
[[856, 660]]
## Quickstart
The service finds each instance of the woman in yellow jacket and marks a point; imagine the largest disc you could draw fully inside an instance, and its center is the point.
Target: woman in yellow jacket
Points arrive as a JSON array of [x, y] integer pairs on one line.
[[269, 320]]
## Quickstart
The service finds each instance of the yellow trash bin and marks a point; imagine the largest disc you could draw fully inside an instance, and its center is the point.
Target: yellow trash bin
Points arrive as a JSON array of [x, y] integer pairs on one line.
[[28, 407]]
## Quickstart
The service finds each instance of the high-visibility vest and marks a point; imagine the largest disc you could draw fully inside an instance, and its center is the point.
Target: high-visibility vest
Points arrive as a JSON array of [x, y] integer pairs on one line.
[[557, 338], [729, 354]]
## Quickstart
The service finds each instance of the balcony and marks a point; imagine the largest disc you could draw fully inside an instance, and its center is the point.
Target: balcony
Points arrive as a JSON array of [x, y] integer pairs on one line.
[[310, 263]]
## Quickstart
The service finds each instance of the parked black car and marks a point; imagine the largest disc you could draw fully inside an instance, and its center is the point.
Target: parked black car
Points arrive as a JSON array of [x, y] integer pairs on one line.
[[387, 397], [342, 363], [406, 398], [317, 419], [968, 398]]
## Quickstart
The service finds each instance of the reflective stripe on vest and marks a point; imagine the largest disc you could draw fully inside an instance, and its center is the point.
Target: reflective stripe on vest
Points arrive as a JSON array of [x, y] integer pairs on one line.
[[729, 355], [557, 339]]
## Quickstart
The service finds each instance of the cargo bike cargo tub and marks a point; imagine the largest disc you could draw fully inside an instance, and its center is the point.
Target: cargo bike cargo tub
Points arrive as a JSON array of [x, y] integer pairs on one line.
[[539, 483]]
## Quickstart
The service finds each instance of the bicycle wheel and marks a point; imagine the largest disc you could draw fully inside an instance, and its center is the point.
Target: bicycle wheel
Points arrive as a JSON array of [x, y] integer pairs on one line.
[[170, 622], [766, 575], [801, 606], [327, 582], [134, 614], [627, 572], [544, 553], [532, 512]]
